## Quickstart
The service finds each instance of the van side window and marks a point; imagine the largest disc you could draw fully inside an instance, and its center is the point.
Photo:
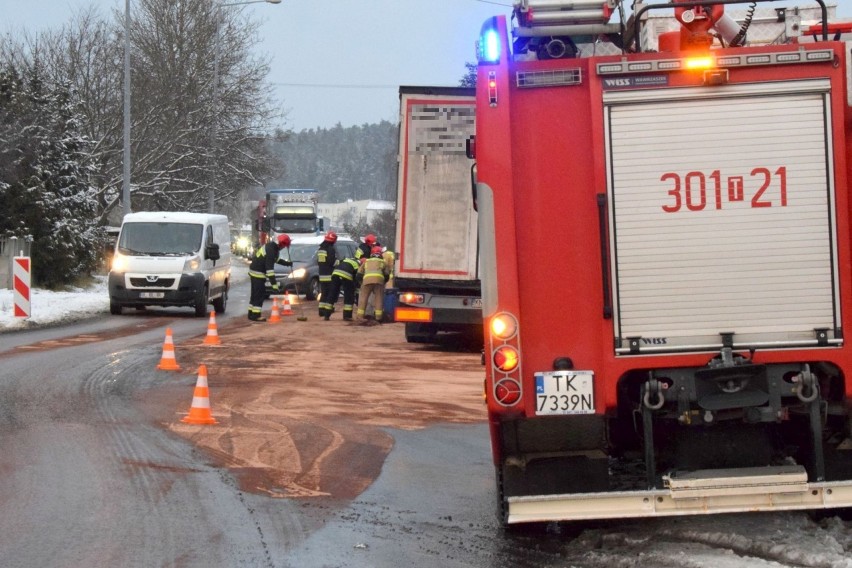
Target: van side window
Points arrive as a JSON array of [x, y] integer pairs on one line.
[[222, 236], [210, 240]]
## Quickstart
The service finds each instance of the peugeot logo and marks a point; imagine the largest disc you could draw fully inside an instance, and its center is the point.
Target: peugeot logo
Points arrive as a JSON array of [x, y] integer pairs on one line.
[[152, 279]]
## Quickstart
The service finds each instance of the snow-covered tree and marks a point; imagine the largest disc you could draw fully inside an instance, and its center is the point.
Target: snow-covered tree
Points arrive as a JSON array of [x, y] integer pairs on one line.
[[45, 165], [190, 133]]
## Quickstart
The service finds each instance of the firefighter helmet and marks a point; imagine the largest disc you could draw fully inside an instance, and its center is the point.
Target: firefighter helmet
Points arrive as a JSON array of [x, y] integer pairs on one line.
[[283, 241], [370, 239], [331, 237], [376, 251]]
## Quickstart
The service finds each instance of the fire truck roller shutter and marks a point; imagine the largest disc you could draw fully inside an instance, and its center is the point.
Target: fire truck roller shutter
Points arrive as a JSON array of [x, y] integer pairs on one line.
[[722, 211]]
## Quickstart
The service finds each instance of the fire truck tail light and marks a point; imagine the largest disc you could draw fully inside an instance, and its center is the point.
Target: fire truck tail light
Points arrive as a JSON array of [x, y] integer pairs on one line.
[[504, 326], [507, 392], [492, 88], [506, 358]]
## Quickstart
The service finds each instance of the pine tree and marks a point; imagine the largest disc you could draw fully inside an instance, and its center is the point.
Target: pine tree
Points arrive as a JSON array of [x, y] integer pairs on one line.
[[44, 178]]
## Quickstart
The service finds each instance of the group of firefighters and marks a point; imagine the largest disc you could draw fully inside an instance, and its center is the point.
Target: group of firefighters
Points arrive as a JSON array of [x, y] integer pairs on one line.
[[370, 269]]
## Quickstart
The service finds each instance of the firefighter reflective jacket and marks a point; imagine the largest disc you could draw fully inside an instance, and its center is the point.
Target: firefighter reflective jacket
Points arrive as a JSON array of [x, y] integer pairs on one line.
[[326, 259], [363, 250], [347, 269], [389, 259], [374, 270], [263, 263]]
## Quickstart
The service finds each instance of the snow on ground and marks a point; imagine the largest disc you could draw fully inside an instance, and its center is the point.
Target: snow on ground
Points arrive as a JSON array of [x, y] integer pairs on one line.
[[49, 307]]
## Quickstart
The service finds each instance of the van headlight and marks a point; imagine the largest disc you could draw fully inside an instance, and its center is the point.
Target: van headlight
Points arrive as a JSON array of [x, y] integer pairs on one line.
[[119, 263], [297, 274], [192, 264]]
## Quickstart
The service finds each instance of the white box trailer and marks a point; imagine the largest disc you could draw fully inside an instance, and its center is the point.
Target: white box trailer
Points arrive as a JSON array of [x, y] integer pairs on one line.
[[436, 270]]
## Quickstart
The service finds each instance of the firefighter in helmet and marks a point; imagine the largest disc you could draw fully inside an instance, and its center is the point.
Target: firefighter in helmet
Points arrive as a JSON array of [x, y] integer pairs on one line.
[[326, 261], [262, 267], [375, 273], [366, 247], [343, 278], [390, 259]]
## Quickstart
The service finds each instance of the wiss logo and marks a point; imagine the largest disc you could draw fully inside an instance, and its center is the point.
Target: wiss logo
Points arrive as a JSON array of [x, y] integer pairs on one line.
[[617, 82], [655, 340]]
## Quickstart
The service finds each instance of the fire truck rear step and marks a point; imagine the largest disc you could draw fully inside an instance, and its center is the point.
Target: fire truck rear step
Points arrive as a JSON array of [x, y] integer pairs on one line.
[[780, 488], [743, 481]]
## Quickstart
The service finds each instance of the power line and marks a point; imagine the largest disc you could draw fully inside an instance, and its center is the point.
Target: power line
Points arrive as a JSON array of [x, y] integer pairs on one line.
[[334, 86]]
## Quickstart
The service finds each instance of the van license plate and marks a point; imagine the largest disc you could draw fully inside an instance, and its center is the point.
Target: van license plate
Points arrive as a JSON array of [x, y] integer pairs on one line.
[[151, 295], [565, 392]]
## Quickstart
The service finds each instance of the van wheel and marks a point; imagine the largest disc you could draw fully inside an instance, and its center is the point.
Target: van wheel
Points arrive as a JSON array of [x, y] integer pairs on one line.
[[114, 308], [313, 291], [220, 303], [201, 302]]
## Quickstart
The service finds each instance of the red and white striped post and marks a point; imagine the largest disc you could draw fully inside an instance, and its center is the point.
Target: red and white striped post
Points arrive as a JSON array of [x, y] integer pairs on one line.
[[21, 286]]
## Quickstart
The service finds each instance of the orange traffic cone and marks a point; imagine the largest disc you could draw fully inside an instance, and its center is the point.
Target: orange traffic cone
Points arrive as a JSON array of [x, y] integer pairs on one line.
[[288, 310], [168, 361], [275, 317], [199, 412], [212, 331]]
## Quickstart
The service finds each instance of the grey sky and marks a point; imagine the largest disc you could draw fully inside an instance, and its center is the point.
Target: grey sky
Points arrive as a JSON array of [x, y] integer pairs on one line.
[[333, 60], [341, 61]]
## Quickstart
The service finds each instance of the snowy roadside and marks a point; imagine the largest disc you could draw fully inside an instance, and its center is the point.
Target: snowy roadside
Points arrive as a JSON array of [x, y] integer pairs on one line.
[[49, 307]]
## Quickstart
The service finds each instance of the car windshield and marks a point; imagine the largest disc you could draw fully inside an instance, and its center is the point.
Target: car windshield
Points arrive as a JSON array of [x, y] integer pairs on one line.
[[160, 238], [299, 252]]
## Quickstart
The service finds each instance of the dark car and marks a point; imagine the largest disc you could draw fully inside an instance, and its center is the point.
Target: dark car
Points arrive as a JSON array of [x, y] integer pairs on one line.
[[303, 276]]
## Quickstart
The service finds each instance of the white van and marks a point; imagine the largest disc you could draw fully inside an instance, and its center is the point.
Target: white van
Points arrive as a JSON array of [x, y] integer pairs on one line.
[[171, 259]]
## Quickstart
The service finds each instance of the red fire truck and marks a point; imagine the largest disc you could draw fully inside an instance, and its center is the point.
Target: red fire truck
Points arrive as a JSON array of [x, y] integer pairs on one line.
[[665, 256]]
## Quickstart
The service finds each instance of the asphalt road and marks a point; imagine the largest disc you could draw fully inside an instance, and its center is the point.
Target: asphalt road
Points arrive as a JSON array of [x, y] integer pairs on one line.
[[336, 446]]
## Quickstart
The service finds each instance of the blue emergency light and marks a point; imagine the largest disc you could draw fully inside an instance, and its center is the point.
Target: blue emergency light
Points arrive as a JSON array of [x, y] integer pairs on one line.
[[489, 43]]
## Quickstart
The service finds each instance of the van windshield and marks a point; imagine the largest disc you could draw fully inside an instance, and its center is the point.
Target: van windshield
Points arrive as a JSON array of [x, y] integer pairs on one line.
[[160, 238]]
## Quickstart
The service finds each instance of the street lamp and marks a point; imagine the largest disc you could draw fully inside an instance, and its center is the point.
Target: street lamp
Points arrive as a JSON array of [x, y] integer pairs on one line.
[[125, 184], [216, 57]]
